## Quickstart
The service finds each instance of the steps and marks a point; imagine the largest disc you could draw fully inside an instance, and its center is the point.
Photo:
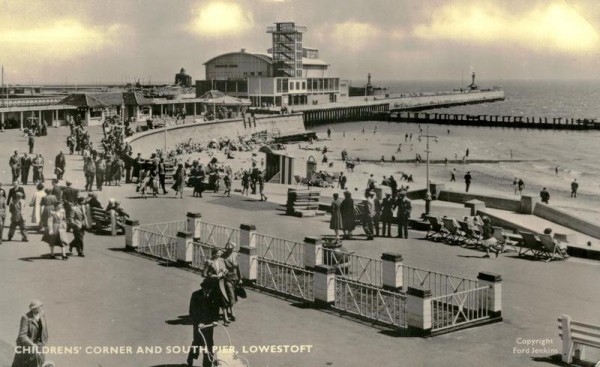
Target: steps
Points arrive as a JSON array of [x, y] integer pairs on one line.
[[303, 203]]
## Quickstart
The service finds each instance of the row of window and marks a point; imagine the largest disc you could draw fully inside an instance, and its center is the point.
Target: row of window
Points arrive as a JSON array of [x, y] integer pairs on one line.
[[221, 66], [259, 73]]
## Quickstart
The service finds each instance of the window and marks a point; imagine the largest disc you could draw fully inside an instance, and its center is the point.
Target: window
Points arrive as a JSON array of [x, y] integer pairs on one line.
[[233, 65], [303, 85], [260, 73], [291, 85], [298, 85], [251, 73]]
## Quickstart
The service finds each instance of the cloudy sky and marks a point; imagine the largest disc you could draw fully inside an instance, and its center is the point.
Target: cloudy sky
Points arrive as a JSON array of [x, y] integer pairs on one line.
[[91, 41]]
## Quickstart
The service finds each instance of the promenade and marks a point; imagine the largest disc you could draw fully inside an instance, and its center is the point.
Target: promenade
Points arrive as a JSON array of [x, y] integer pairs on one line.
[[114, 298]]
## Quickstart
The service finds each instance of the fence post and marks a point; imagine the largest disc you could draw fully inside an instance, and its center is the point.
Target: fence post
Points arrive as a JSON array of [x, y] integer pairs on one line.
[[567, 345], [247, 235], [494, 295], [391, 268], [132, 234], [185, 248], [113, 223], [418, 311], [194, 221], [248, 264], [312, 252], [324, 286]]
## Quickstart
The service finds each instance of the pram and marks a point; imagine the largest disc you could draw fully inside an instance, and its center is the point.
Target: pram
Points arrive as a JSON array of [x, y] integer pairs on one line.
[[229, 356]]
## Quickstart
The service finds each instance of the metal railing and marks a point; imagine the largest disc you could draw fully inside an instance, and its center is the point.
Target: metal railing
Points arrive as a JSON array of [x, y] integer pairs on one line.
[[354, 267], [200, 253], [217, 235], [370, 302], [165, 228], [157, 245], [459, 308], [279, 249], [285, 279], [438, 283]]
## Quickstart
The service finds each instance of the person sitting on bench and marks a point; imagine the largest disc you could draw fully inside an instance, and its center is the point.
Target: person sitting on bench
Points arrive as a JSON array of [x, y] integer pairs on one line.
[[561, 246]]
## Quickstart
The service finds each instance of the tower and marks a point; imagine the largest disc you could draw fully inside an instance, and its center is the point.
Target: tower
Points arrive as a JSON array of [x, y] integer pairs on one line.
[[287, 49]]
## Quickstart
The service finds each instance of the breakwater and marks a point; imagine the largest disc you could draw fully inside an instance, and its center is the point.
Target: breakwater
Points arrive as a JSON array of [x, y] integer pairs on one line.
[[339, 114], [566, 123]]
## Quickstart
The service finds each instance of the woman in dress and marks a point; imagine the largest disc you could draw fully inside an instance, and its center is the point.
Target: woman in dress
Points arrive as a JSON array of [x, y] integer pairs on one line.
[[47, 205], [179, 178], [215, 272], [57, 230], [36, 203], [348, 215], [487, 238], [232, 278], [336, 222]]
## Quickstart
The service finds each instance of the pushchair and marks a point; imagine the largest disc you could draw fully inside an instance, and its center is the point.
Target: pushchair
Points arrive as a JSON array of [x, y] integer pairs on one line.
[[230, 357]]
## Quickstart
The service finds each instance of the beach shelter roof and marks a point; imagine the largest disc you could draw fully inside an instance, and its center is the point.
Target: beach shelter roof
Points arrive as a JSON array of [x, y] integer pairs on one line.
[[109, 99], [217, 97]]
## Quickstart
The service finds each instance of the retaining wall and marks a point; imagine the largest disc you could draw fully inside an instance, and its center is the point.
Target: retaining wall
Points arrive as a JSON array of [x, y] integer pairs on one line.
[[567, 220], [494, 202], [148, 141]]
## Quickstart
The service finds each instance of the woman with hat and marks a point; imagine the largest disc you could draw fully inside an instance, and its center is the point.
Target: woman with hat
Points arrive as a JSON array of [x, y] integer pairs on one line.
[[232, 277], [179, 178], [33, 336], [215, 272], [56, 233], [348, 215]]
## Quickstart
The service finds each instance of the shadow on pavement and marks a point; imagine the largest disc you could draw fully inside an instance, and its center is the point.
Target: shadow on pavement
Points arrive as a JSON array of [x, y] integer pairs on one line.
[[41, 257], [180, 320], [555, 359]]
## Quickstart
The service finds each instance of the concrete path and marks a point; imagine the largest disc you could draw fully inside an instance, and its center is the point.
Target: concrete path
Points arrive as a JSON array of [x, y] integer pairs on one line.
[[113, 298]]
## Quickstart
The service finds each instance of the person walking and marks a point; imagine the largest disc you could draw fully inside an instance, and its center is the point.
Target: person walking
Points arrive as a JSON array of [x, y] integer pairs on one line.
[[100, 171], [515, 186], [117, 169], [336, 222], [78, 220], [233, 277], [348, 215], [545, 196], [215, 271], [179, 178], [16, 218], [15, 166], [33, 336], [56, 230], [468, 179], [204, 312], [574, 187], [25, 165], [521, 186], [245, 183], [60, 165], [162, 175], [12, 193], [89, 170], [31, 143], [261, 188], [227, 182], [404, 207], [387, 215]]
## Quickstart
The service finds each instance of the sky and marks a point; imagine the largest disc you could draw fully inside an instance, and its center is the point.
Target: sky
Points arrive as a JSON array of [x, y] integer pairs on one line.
[[114, 41]]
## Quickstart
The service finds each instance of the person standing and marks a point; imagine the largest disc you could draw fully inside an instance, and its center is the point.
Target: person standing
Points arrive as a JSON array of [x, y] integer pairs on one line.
[[574, 187], [15, 166], [261, 188], [468, 179], [367, 215], [56, 230], [31, 143], [16, 217], [233, 277], [78, 220], [33, 336], [25, 165], [70, 195], [404, 208], [336, 222], [227, 182], [100, 170], [521, 186], [545, 196], [376, 215], [162, 175], [89, 170], [38, 165], [348, 215], [393, 185], [387, 215], [12, 193], [179, 178], [343, 181], [515, 185], [36, 203], [204, 312], [60, 164], [117, 169], [245, 183]]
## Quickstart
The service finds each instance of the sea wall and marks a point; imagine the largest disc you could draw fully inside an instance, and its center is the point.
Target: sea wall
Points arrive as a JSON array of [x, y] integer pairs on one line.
[[567, 220], [147, 142], [494, 202], [444, 99]]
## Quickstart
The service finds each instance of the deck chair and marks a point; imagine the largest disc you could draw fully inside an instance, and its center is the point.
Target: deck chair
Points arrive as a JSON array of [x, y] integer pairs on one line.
[[531, 244], [436, 229], [471, 237], [550, 248], [503, 239], [454, 233]]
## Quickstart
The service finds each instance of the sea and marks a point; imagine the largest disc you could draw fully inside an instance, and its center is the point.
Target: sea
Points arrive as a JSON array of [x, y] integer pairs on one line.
[[542, 158]]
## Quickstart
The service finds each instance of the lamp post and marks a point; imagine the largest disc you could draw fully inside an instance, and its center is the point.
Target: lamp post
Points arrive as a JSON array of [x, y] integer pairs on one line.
[[428, 189]]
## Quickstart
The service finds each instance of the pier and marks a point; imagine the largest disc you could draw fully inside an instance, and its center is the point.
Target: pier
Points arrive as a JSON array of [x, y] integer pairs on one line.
[[338, 114], [564, 123]]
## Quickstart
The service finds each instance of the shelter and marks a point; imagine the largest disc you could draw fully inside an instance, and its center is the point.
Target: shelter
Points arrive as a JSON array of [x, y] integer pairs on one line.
[[95, 107], [280, 168], [219, 103]]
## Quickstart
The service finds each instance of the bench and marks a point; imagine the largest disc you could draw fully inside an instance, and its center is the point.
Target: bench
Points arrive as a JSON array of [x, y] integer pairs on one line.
[[575, 335], [101, 219]]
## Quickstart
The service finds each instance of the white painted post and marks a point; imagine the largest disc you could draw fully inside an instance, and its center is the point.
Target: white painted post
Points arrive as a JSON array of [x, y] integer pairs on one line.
[[248, 264], [113, 223], [313, 252], [494, 295], [418, 311], [194, 223], [567, 344], [391, 268], [247, 236], [132, 234], [324, 285], [185, 247]]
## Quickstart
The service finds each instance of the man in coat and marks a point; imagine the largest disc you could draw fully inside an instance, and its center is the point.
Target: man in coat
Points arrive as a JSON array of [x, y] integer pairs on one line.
[[57, 190], [404, 208], [12, 193], [69, 196], [204, 311], [387, 215], [17, 218], [60, 164], [368, 211], [33, 336], [78, 221], [25, 165], [162, 175], [15, 166]]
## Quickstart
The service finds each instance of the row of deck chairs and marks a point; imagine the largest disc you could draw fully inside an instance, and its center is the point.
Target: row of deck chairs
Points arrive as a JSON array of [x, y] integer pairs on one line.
[[457, 232]]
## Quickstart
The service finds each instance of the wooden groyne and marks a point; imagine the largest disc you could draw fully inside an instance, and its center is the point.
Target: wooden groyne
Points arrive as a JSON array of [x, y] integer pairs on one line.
[[565, 123]]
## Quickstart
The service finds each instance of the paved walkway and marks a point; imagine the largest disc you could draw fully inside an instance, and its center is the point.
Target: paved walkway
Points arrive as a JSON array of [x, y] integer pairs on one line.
[[112, 298]]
